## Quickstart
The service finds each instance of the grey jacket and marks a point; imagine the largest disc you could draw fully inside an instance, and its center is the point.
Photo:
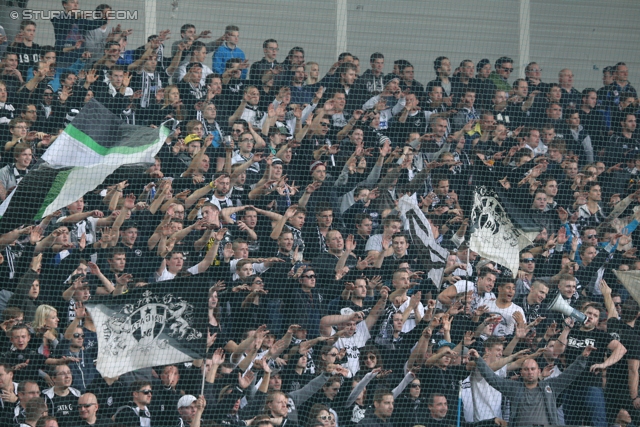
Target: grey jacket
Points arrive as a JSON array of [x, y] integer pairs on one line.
[[550, 388]]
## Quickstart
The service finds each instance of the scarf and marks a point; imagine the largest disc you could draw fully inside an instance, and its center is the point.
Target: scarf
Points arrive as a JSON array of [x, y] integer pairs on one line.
[[112, 91]]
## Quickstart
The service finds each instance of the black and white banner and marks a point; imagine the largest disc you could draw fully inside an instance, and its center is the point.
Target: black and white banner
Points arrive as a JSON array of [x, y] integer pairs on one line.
[[494, 233], [154, 325]]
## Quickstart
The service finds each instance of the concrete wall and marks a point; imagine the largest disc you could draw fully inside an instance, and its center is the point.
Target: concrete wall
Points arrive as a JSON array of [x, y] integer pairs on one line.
[[584, 35]]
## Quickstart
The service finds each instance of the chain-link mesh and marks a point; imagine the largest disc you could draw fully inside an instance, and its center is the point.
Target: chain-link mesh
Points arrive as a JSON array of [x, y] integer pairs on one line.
[[319, 214]]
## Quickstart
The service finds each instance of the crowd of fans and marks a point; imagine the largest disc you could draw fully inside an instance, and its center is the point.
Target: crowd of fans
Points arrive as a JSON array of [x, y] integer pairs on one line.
[[278, 187]]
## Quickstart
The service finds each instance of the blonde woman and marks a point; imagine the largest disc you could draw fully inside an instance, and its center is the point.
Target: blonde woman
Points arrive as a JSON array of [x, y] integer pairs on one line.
[[45, 324], [313, 73], [168, 106]]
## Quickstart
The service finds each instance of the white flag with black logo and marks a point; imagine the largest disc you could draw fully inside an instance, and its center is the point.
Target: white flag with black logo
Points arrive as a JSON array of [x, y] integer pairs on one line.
[[496, 234], [159, 324]]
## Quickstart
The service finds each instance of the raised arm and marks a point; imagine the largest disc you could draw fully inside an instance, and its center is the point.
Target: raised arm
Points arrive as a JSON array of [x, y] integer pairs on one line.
[[377, 309], [212, 252]]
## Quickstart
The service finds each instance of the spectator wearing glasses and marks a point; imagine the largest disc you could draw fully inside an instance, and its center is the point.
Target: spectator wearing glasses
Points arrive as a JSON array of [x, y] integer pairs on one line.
[[136, 413], [267, 63], [62, 399], [83, 371], [88, 412], [525, 273], [305, 306], [410, 406], [49, 113], [533, 75], [500, 77]]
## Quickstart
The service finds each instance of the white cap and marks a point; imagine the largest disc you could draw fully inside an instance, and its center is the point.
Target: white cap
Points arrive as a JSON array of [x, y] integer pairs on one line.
[[186, 401]]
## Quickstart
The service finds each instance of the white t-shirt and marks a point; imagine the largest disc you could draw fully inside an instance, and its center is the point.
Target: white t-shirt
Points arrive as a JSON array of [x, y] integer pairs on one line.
[[374, 243], [170, 276], [353, 345], [258, 268], [507, 325], [411, 321], [487, 401], [467, 285]]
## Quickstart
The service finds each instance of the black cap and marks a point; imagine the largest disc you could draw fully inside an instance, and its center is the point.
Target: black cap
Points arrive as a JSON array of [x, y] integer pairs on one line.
[[389, 77], [129, 223]]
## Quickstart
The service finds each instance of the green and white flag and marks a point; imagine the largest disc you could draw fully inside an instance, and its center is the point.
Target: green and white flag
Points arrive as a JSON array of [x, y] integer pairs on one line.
[[99, 137], [82, 157]]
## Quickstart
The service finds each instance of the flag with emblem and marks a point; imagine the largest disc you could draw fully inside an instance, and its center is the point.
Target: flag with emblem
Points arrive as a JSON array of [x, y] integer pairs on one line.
[[499, 230], [158, 324]]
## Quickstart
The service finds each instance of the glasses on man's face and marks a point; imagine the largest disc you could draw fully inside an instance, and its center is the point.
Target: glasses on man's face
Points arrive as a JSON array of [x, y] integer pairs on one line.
[[310, 276], [85, 405], [508, 70], [78, 335], [324, 124], [145, 392], [527, 260], [591, 236]]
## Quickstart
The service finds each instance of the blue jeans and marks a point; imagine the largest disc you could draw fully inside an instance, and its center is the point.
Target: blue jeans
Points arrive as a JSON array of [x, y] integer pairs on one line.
[[585, 403]]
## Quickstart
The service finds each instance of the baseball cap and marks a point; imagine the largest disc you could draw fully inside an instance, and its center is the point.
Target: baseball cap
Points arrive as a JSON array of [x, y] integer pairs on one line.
[[190, 138], [445, 343], [389, 78], [186, 401], [316, 164]]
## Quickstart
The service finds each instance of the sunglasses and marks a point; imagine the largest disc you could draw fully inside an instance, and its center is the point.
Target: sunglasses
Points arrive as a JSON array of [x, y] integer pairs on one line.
[[591, 236], [145, 392], [78, 335], [508, 70], [525, 260], [85, 405], [414, 385], [310, 276]]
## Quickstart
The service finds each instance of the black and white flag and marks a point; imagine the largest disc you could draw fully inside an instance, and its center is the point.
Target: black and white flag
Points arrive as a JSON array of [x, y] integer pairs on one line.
[[162, 323], [497, 232]]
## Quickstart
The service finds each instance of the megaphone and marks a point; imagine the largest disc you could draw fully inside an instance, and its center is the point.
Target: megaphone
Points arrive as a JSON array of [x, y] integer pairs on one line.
[[561, 306]]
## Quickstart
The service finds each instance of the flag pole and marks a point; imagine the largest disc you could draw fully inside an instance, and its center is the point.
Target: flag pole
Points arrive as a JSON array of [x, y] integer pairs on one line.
[[204, 375]]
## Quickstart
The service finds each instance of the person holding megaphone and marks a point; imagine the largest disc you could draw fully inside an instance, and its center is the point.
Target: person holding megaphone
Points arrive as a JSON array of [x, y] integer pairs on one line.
[[584, 402]]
